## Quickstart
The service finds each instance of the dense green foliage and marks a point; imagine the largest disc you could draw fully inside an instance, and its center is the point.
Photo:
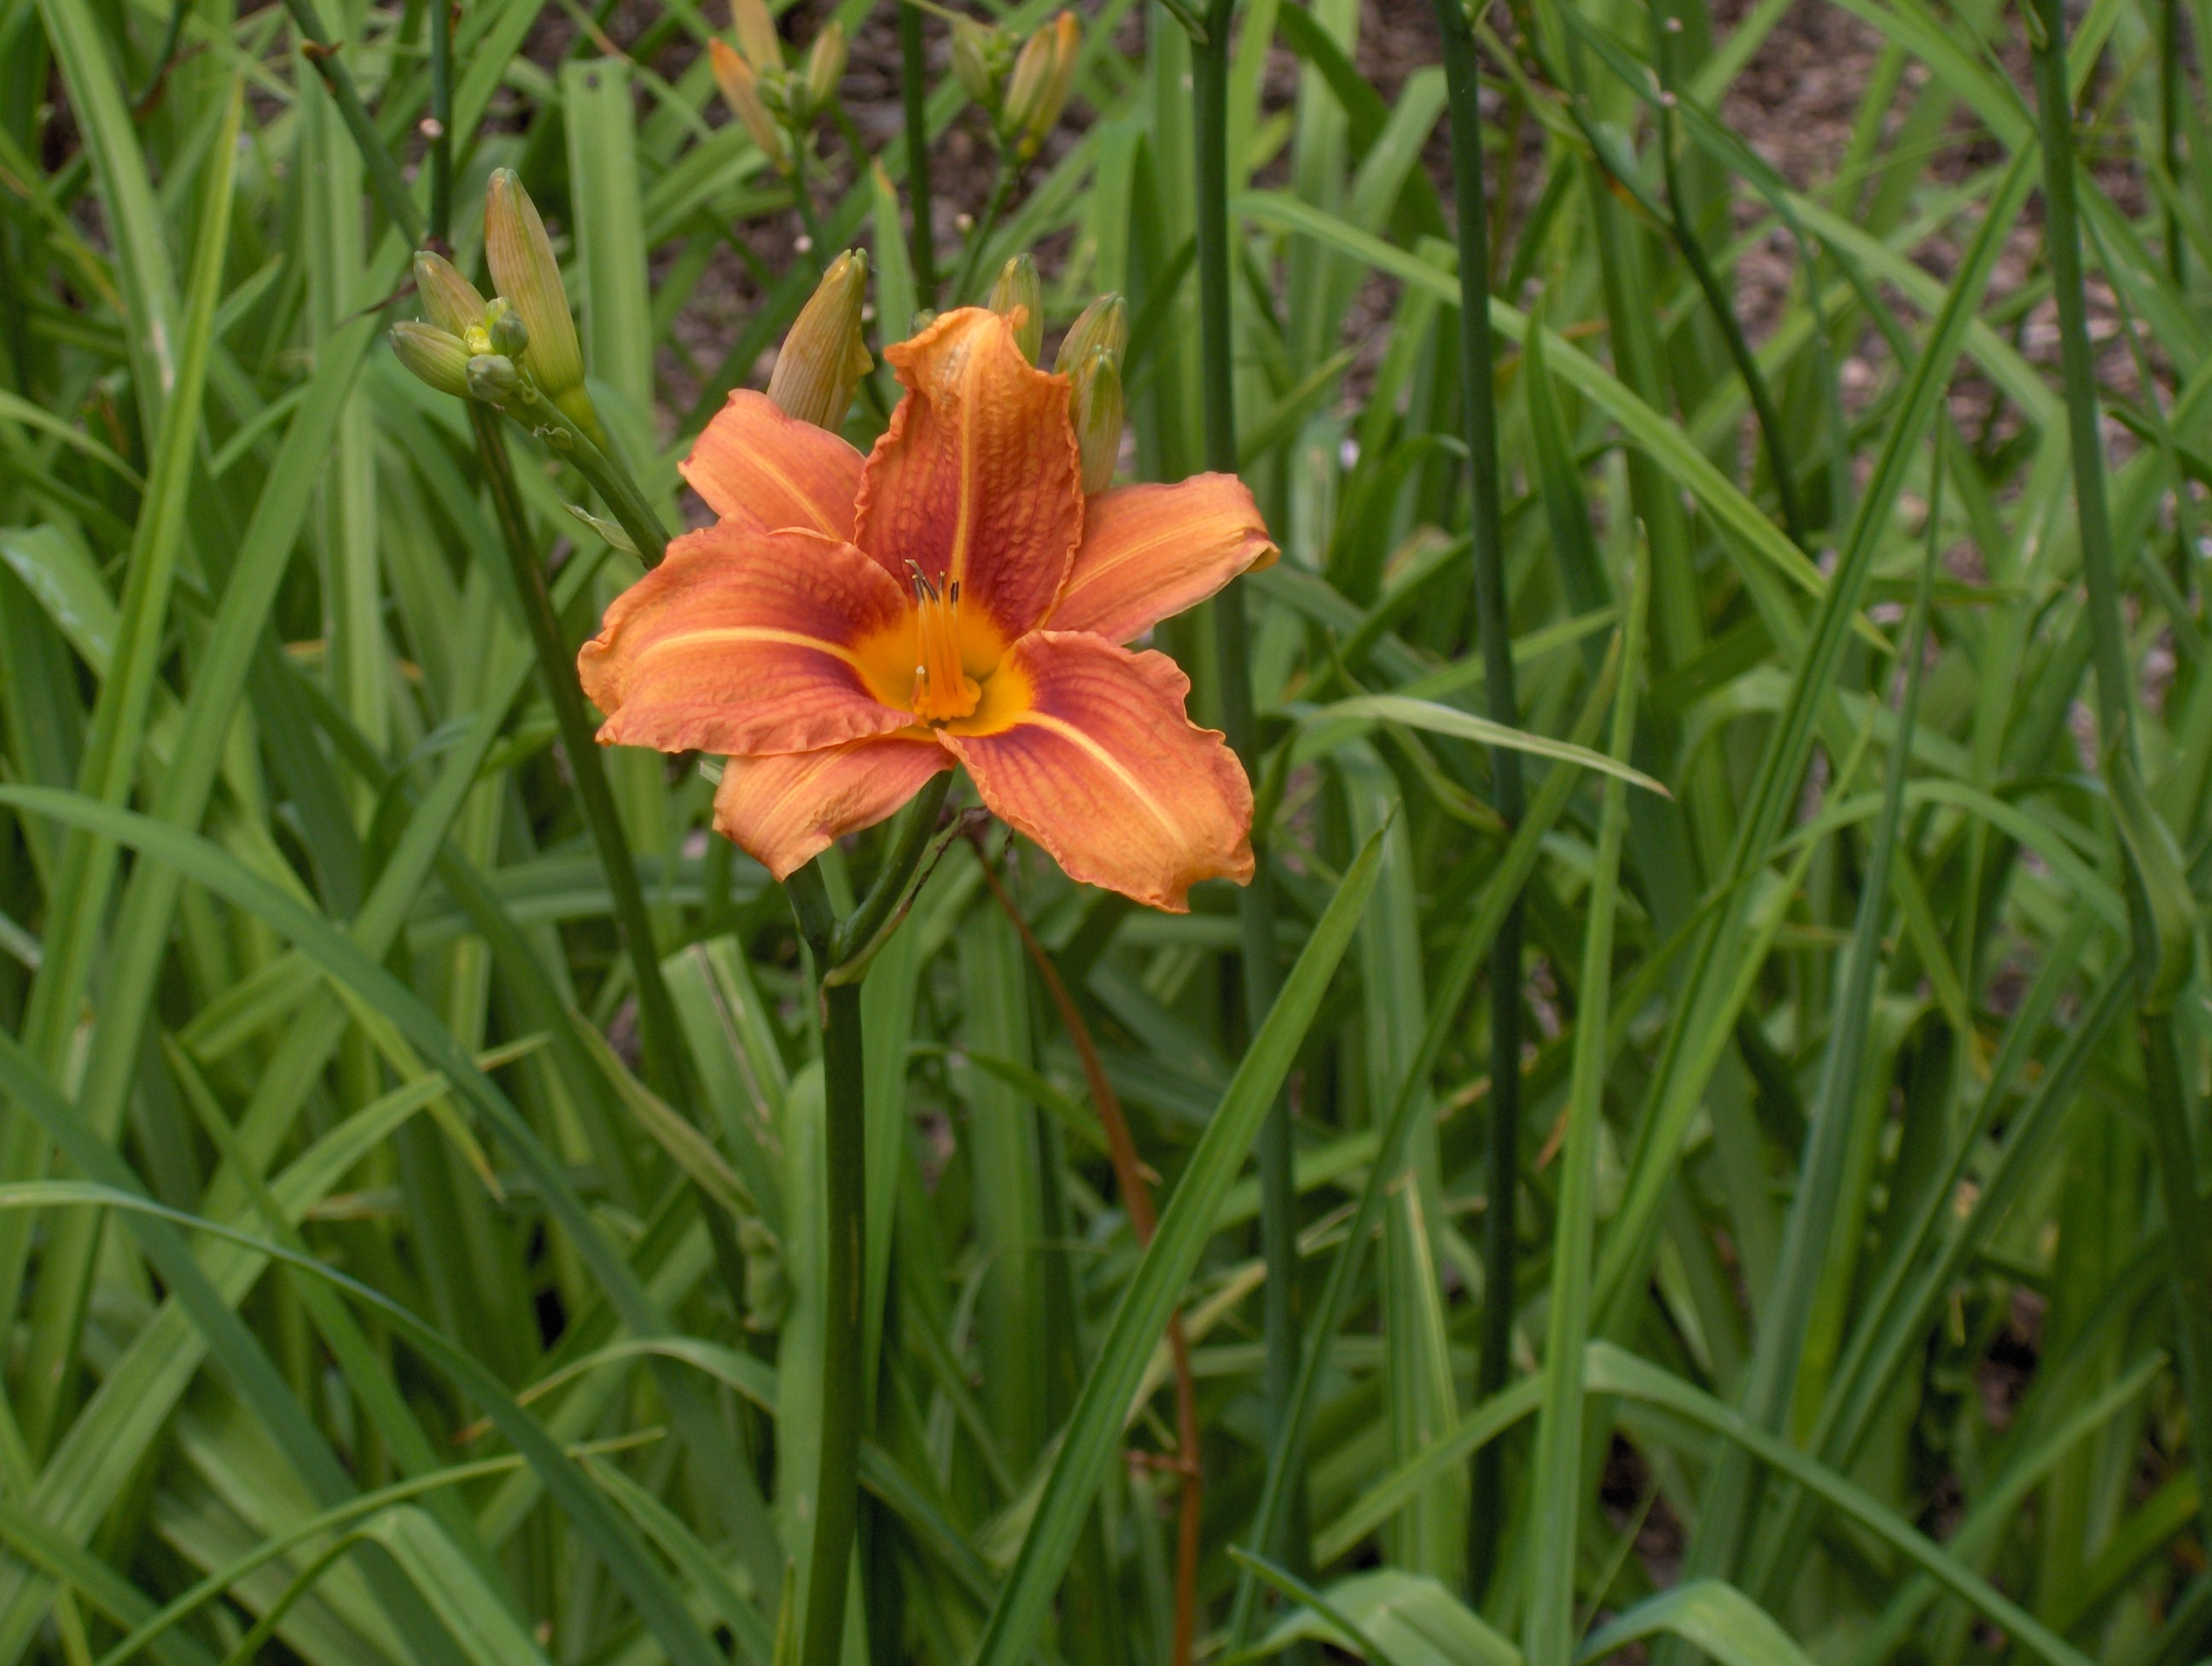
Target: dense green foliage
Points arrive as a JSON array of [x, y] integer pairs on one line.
[[381, 1280]]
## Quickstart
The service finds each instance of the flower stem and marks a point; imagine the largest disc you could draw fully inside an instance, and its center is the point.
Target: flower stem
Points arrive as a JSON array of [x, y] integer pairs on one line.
[[1256, 908], [1002, 192], [1486, 1498], [914, 90], [608, 477], [441, 114]]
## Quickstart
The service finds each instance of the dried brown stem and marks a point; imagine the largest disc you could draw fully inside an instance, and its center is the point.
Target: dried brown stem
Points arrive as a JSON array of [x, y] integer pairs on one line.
[[1129, 1173]]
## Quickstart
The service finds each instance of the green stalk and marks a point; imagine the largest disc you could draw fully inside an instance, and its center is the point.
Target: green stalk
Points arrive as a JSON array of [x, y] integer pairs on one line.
[[913, 94], [1477, 374], [1002, 192], [665, 1059], [1255, 907], [608, 477], [384, 181], [441, 112], [2160, 905]]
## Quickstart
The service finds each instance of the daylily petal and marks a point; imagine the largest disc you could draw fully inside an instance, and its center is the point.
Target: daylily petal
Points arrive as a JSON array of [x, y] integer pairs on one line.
[[745, 641], [784, 811], [978, 478], [1085, 747], [765, 469], [1149, 552]]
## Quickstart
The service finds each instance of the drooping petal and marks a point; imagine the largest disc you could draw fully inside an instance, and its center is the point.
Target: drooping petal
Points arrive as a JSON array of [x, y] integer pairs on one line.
[[784, 811], [978, 478], [767, 470], [1085, 747], [748, 642], [1148, 552]]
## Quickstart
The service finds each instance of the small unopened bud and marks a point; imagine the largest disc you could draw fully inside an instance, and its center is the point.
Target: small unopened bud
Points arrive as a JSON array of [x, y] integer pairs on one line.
[[492, 377], [825, 68], [741, 91], [756, 36], [504, 328], [435, 356], [981, 56], [450, 299], [1018, 298], [521, 256], [1104, 323], [1095, 407], [824, 357], [1044, 75]]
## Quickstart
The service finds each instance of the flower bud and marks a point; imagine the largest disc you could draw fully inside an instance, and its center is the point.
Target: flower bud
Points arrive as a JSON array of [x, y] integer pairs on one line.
[[435, 356], [521, 256], [741, 91], [756, 36], [1044, 77], [451, 299], [1104, 323], [979, 58], [504, 328], [1095, 407], [492, 377], [825, 68], [1018, 298], [824, 357]]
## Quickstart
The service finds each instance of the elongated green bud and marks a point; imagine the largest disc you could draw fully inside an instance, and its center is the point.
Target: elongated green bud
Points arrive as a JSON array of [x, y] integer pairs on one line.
[[824, 356], [826, 67], [450, 299], [741, 91], [982, 54], [1095, 407], [1019, 297], [1044, 75], [756, 36], [492, 377], [521, 256], [1104, 323], [437, 356]]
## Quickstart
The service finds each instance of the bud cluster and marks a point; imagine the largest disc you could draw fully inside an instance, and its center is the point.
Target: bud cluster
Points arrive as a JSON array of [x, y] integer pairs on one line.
[[777, 102], [1023, 91], [522, 342]]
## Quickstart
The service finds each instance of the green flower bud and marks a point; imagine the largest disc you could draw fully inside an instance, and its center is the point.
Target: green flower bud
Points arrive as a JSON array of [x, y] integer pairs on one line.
[[504, 328], [825, 68], [451, 299], [741, 90], [1095, 407], [981, 53], [756, 36], [437, 356], [824, 356], [1044, 75], [492, 378], [521, 256], [1104, 323], [1018, 298]]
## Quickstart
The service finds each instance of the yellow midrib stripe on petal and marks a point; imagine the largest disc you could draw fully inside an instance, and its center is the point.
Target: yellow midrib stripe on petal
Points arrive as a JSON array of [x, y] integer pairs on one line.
[[956, 564], [717, 636], [829, 528], [1068, 732]]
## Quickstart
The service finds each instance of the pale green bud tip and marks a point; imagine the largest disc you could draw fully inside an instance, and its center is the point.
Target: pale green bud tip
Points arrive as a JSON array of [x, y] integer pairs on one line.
[[1044, 75], [756, 36], [1019, 297], [826, 67], [1095, 406], [492, 377], [982, 54], [1104, 323], [521, 256], [824, 356], [437, 356], [452, 301]]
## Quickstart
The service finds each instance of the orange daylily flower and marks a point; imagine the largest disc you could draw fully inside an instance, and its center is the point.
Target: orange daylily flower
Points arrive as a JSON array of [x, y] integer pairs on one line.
[[852, 626]]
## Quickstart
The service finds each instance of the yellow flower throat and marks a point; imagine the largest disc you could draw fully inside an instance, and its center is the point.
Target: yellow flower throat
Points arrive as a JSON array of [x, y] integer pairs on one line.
[[943, 689]]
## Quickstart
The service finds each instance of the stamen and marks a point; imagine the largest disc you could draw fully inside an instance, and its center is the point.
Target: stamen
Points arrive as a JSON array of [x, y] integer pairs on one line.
[[942, 688]]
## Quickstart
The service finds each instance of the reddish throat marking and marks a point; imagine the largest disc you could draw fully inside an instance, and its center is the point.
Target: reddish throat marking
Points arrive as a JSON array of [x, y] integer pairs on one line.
[[942, 688]]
